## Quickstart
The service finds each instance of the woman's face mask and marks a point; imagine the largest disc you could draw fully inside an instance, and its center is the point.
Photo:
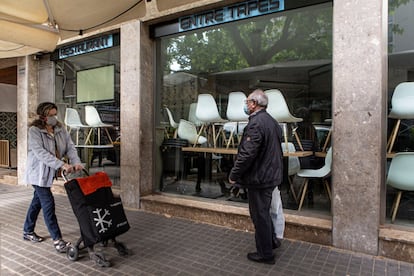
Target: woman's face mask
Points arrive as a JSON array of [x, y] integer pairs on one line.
[[51, 120]]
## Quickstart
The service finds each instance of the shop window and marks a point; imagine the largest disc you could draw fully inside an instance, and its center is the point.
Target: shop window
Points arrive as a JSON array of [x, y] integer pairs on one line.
[[400, 71], [290, 51], [93, 79]]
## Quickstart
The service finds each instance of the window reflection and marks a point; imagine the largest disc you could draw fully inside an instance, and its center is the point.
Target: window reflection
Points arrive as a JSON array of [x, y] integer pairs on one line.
[[289, 51]]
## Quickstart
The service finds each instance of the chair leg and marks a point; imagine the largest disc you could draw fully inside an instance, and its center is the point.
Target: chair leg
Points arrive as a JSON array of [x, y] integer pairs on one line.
[[298, 141], [328, 138], [77, 137], [303, 194], [231, 139], [88, 137], [109, 136], [393, 136], [198, 135], [292, 189], [328, 189], [395, 206]]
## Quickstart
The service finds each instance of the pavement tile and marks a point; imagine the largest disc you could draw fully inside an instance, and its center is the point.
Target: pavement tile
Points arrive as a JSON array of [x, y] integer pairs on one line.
[[161, 245]]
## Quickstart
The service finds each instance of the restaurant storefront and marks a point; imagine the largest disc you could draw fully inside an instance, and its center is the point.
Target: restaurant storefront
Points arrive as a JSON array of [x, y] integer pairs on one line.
[[323, 56], [87, 77]]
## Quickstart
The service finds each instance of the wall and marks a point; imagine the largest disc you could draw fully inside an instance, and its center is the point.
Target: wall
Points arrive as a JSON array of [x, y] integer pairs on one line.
[[8, 94]]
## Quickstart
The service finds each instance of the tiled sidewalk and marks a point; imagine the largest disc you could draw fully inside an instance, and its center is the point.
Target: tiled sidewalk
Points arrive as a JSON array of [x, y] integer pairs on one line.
[[162, 245]]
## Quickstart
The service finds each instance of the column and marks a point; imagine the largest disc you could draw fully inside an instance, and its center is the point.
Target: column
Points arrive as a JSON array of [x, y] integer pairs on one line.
[[359, 122], [137, 105], [27, 101]]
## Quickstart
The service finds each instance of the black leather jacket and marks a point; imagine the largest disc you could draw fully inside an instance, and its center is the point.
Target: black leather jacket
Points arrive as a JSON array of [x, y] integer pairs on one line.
[[259, 162]]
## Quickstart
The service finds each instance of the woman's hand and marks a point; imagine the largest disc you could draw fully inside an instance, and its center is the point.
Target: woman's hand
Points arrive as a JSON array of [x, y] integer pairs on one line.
[[78, 167], [67, 168]]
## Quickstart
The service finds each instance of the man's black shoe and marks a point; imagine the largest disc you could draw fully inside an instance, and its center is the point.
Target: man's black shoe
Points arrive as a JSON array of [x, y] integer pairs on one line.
[[256, 258], [276, 243]]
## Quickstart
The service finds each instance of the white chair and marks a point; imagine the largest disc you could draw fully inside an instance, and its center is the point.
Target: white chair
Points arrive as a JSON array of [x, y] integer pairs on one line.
[[402, 107], [279, 110], [321, 173], [235, 114], [93, 120], [73, 122], [207, 113], [293, 167], [173, 124], [187, 130], [400, 177], [192, 115]]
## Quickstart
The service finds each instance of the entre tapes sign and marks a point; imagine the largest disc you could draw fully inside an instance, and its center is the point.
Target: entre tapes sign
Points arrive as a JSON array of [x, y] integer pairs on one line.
[[230, 13]]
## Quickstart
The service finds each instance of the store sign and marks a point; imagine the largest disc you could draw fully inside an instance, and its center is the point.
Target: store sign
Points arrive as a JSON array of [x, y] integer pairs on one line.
[[86, 46], [230, 13]]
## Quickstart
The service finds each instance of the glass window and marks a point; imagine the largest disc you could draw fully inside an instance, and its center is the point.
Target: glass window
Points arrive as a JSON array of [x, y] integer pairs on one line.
[[289, 51], [400, 103], [92, 82]]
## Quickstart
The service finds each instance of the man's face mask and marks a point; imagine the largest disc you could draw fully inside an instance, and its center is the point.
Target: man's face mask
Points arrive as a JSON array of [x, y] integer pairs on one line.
[[246, 108], [51, 120]]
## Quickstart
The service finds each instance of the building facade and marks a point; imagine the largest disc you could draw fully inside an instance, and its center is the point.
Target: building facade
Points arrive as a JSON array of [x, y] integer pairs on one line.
[[330, 57]]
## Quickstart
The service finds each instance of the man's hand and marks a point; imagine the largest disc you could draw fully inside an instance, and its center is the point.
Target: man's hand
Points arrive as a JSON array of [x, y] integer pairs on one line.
[[232, 182]]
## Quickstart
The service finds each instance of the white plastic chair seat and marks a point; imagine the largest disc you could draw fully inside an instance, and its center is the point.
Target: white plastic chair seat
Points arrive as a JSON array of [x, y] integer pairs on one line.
[[192, 115], [93, 120], [402, 101], [207, 113], [293, 167], [293, 161], [235, 111], [171, 118], [321, 173], [187, 130], [173, 124], [234, 128], [278, 108], [73, 122], [401, 177], [402, 107]]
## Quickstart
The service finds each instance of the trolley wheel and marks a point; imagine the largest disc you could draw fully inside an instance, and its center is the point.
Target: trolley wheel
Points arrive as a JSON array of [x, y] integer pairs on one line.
[[122, 250], [72, 253]]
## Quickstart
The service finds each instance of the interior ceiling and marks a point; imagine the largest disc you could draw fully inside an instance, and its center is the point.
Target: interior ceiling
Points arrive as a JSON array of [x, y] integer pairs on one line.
[[30, 26]]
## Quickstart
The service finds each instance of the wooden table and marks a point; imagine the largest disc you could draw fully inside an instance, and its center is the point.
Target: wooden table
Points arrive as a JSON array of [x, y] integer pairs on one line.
[[234, 151]]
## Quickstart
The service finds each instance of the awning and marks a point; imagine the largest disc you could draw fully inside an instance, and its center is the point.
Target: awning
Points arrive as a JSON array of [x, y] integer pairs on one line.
[[31, 26]]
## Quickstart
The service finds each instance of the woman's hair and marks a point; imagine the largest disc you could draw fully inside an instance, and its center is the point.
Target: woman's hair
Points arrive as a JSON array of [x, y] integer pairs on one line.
[[42, 111]]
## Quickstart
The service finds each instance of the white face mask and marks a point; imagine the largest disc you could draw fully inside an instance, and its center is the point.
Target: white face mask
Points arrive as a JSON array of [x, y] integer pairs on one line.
[[51, 120], [246, 109]]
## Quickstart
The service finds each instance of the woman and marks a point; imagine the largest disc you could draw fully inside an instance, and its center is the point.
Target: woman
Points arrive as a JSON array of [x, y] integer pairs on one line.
[[48, 143]]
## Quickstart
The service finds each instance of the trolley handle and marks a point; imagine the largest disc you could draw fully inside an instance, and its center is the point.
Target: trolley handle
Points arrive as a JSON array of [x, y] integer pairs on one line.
[[65, 175]]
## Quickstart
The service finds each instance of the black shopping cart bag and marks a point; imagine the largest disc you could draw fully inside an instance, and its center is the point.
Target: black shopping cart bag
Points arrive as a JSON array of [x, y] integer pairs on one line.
[[100, 214]]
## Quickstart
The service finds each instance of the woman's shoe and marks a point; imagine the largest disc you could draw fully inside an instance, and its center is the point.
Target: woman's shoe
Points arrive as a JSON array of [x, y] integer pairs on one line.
[[61, 246], [32, 236]]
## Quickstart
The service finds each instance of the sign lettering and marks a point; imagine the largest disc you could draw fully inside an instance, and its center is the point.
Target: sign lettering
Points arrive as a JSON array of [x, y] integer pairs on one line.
[[87, 46], [230, 13]]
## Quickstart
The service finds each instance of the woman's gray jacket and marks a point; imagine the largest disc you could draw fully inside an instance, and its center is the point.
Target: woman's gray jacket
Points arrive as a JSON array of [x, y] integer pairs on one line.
[[42, 162]]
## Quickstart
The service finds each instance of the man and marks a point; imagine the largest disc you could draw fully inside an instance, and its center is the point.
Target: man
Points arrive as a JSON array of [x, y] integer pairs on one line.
[[259, 168]]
